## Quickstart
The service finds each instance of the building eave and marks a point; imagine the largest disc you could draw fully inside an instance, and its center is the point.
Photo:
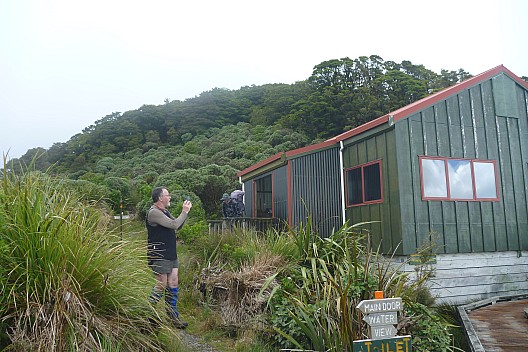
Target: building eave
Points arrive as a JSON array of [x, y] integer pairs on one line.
[[260, 164]]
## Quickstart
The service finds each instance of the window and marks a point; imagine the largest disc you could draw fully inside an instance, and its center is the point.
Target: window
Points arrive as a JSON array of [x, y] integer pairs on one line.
[[458, 179], [363, 184], [263, 197]]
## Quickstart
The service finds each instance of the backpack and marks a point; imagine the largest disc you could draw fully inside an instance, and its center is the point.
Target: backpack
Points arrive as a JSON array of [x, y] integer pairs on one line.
[[238, 195], [238, 199]]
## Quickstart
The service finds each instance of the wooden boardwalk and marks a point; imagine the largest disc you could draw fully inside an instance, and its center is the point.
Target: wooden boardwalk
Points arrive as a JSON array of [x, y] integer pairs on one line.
[[497, 325]]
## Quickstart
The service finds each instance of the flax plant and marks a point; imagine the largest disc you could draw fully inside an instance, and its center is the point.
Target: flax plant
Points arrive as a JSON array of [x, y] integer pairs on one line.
[[67, 284], [334, 274], [328, 288]]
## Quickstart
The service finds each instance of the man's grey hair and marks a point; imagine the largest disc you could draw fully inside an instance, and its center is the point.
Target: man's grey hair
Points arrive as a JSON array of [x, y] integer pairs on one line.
[[156, 193]]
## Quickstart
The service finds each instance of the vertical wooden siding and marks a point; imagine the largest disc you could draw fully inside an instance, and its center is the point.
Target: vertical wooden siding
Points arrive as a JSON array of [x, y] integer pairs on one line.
[[386, 230], [467, 125], [522, 104], [315, 190]]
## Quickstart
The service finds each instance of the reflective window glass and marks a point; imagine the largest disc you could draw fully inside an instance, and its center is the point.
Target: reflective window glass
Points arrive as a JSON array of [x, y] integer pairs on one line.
[[460, 183], [465, 179], [372, 182], [485, 180], [434, 178]]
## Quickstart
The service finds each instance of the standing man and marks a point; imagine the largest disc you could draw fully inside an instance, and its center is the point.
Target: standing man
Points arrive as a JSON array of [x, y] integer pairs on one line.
[[162, 255]]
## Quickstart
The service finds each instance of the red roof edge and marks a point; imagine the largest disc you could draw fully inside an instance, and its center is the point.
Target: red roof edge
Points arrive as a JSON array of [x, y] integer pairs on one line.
[[443, 94], [396, 114], [360, 129], [309, 148], [260, 164]]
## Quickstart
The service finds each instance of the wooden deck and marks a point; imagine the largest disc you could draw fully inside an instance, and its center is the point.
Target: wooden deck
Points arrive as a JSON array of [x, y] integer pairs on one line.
[[497, 325]]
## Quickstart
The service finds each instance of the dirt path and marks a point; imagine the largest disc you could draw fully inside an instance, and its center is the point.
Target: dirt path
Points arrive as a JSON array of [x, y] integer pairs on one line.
[[194, 343]]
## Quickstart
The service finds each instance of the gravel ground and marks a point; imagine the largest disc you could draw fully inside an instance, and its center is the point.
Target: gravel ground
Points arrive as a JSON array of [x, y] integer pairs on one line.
[[195, 344]]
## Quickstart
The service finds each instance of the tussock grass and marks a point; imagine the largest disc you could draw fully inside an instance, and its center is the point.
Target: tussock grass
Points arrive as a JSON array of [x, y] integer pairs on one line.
[[67, 283]]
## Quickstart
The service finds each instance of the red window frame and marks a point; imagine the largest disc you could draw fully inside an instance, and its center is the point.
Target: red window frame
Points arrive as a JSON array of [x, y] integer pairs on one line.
[[362, 167], [447, 181]]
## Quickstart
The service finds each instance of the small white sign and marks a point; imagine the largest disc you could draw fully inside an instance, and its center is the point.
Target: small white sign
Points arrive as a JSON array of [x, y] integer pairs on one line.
[[380, 305], [382, 332], [374, 319]]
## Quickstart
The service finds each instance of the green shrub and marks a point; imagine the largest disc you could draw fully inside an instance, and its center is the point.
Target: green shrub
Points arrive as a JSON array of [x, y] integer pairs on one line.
[[430, 332], [191, 232], [281, 309]]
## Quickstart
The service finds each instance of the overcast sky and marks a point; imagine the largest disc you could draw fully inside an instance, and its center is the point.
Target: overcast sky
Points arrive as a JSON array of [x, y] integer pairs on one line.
[[66, 63]]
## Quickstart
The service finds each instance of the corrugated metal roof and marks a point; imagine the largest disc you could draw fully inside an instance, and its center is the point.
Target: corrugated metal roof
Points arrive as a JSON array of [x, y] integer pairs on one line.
[[391, 117]]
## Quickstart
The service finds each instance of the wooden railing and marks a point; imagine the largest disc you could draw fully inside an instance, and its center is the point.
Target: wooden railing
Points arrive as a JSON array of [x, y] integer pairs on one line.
[[231, 224]]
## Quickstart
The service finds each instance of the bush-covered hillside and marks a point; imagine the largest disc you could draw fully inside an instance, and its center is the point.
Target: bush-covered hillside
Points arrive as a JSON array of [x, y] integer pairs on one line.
[[201, 143]]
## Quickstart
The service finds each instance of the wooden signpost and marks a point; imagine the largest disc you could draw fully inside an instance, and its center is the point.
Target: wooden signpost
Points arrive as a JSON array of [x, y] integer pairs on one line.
[[381, 314]]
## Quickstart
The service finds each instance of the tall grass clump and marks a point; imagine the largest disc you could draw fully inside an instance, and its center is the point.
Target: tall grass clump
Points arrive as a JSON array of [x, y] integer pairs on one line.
[[66, 283], [234, 281]]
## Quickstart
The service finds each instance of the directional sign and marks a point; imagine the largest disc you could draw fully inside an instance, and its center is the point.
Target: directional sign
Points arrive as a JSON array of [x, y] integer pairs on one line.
[[382, 332], [381, 315], [374, 319], [394, 344], [380, 305]]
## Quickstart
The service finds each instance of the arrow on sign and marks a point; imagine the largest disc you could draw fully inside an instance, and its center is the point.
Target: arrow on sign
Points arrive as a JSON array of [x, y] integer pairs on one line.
[[382, 332], [380, 305], [388, 318]]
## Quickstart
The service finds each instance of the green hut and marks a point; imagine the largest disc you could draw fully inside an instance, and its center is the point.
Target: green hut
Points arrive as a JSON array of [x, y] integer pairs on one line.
[[449, 170]]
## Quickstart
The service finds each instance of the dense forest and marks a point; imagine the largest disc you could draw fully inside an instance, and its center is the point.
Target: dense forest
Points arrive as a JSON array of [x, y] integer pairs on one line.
[[197, 145]]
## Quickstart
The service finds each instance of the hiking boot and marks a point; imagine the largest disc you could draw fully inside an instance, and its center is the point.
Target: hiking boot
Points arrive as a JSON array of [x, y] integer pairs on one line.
[[179, 323]]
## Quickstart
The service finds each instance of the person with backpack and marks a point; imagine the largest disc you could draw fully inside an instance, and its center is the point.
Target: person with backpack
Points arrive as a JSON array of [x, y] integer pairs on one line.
[[228, 206]]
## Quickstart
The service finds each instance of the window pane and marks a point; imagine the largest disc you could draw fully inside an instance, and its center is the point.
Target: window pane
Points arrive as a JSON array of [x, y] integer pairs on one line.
[[434, 178], [485, 180], [355, 195], [460, 183], [371, 173], [263, 201]]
